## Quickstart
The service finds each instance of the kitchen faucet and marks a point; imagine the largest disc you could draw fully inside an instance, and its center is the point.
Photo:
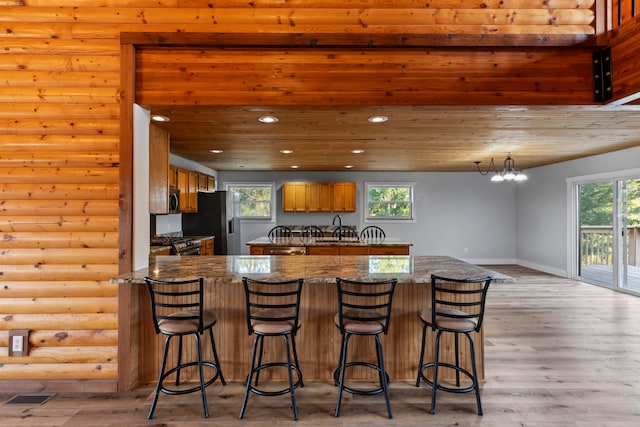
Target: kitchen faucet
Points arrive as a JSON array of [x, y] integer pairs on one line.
[[339, 218]]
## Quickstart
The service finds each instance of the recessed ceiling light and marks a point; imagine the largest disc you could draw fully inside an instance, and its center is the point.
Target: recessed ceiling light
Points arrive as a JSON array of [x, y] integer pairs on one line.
[[268, 119], [159, 118], [286, 151], [357, 151], [378, 119], [348, 166], [295, 167], [216, 151]]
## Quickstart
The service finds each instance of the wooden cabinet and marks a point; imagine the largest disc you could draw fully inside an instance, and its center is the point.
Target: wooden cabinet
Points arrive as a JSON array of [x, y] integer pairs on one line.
[[182, 181], [354, 250], [192, 191], [202, 182], [173, 176], [319, 197], [344, 196], [343, 250], [389, 250], [158, 170], [256, 250], [206, 246], [294, 197], [189, 183]]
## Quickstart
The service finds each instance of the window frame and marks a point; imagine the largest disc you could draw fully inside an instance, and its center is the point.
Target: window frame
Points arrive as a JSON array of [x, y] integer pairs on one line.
[[412, 190], [272, 201]]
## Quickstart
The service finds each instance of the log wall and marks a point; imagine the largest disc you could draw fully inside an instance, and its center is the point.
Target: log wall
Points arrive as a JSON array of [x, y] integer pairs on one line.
[[60, 156]]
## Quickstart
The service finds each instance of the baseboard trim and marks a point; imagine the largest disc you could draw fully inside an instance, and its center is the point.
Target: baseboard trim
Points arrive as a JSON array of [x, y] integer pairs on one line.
[[543, 268]]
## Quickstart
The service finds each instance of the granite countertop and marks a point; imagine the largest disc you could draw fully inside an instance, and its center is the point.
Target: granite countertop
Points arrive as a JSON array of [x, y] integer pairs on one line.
[[221, 269], [327, 241]]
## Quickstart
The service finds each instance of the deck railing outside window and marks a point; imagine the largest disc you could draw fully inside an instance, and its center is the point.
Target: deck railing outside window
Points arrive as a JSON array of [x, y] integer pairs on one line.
[[596, 245]]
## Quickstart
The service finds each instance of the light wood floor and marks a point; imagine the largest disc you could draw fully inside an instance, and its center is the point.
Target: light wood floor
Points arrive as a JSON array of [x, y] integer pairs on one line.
[[558, 353]]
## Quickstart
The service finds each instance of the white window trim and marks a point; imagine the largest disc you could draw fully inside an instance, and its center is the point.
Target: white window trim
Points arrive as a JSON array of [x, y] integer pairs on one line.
[[365, 198], [272, 218]]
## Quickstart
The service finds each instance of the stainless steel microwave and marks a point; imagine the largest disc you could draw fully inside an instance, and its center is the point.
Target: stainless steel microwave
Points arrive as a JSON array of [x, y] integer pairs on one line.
[[174, 200]]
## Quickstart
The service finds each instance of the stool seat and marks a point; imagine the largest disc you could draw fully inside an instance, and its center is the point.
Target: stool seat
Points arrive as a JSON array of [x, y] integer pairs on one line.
[[268, 321], [183, 322], [454, 320]]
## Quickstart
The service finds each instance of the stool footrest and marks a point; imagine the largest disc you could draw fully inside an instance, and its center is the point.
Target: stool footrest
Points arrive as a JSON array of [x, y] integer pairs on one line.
[[443, 387], [297, 384], [352, 390], [173, 391]]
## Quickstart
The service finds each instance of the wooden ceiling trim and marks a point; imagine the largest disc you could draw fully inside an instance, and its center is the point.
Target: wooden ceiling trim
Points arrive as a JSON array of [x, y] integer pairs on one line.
[[362, 77], [352, 39]]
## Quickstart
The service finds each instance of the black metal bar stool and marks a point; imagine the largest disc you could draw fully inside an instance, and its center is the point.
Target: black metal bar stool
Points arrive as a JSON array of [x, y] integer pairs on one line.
[[273, 310], [457, 307], [178, 310], [364, 308]]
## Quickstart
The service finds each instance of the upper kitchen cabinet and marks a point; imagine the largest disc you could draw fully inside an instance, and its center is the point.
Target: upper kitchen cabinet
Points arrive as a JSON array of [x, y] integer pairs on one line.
[[319, 197], [188, 186], [206, 183], [211, 183], [294, 197], [173, 176], [344, 196], [190, 183], [192, 192], [159, 180]]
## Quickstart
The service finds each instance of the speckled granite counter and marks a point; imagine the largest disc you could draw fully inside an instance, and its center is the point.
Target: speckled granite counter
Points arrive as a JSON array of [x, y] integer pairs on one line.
[[313, 268], [318, 339]]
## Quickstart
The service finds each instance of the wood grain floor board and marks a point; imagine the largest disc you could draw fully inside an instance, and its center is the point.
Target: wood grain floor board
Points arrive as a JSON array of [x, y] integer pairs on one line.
[[558, 353]]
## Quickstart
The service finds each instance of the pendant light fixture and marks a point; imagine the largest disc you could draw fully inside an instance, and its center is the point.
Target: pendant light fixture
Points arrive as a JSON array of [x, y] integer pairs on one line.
[[508, 173]]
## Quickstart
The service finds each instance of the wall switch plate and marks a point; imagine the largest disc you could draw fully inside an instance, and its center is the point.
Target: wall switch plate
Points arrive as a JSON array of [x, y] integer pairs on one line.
[[18, 342]]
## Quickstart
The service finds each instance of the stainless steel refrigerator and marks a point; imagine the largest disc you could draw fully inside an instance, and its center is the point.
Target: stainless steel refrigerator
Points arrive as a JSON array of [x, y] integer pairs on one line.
[[216, 217]]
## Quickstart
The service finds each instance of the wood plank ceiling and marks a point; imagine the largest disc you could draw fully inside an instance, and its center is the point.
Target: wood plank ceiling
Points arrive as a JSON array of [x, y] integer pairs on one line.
[[413, 139]]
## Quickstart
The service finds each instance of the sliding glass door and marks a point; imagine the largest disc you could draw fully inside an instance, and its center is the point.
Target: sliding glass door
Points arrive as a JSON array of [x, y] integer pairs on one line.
[[608, 233], [629, 194]]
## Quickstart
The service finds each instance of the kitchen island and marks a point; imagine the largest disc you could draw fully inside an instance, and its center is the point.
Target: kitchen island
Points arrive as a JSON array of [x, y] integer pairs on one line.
[[328, 246], [318, 339]]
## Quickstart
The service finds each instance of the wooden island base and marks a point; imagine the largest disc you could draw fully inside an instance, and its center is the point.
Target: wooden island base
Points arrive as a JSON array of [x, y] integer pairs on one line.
[[318, 339]]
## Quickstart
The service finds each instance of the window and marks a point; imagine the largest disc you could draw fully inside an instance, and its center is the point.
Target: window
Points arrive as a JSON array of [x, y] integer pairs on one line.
[[389, 201], [255, 201]]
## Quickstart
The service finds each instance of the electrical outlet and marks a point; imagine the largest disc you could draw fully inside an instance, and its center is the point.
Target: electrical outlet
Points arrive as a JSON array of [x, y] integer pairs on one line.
[[18, 342]]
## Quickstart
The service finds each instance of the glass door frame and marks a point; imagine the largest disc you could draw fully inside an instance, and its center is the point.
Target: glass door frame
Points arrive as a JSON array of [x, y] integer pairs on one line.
[[573, 226]]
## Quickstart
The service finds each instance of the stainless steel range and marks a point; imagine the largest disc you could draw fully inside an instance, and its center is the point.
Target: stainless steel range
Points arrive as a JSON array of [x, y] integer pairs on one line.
[[179, 245]]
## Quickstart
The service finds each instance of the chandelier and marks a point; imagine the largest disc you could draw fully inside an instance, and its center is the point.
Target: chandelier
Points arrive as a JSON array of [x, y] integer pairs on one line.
[[508, 173]]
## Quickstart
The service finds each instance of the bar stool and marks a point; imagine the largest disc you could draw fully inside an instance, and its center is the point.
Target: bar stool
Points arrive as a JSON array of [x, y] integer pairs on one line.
[[273, 310], [177, 307], [457, 307], [364, 308]]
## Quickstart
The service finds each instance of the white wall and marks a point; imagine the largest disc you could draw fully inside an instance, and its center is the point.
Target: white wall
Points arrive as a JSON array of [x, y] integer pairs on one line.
[[542, 208], [454, 211], [140, 187]]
